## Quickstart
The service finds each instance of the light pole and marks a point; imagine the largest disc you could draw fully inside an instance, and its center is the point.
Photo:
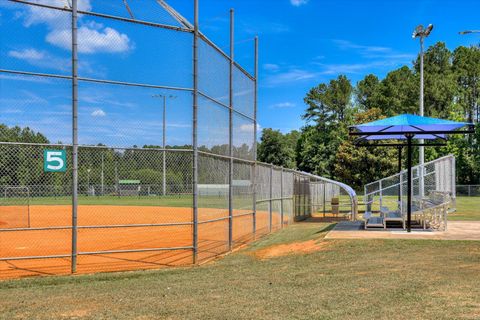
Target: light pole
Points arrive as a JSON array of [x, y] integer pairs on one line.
[[164, 126], [422, 33], [464, 32], [468, 32]]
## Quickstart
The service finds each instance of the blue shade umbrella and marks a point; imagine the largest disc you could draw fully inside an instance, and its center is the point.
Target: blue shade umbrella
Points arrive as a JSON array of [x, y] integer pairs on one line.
[[407, 127], [397, 127]]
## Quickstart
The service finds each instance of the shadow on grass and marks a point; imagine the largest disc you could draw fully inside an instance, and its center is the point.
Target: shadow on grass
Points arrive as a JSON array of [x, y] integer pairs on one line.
[[327, 228], [319, 219]]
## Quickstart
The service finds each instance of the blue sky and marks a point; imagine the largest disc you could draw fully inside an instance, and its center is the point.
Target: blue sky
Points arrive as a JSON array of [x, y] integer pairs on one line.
[[302, 43]]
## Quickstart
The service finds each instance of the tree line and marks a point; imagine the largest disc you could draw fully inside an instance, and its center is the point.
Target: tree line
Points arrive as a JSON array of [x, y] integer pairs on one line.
[[323, 147], [103, 167]]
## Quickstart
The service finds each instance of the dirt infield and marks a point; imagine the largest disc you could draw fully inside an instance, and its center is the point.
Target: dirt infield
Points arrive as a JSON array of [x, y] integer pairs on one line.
[[104, 228]]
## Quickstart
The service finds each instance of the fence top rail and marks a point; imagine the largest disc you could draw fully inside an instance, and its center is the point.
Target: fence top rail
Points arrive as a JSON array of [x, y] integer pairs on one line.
[[468, 185], [104, 15], [447, 157], [67, 145]]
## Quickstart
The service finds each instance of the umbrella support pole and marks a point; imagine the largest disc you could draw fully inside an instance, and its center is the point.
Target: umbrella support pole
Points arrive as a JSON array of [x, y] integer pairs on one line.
[[409, 181], [400, 172]]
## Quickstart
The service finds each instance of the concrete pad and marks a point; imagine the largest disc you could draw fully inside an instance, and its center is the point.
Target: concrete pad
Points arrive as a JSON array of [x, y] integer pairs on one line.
[[457, 230]]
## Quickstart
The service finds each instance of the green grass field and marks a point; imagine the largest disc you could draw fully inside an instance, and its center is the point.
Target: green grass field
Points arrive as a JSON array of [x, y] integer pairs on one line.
[[361, 279], [468, 208]]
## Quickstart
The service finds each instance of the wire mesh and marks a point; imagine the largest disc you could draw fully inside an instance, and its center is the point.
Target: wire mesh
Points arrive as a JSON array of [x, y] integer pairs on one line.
[[438, 180], [213, 197], [243, 93], [213, 73], [138, 143], [468, 190], [243, 137], [213, 127]]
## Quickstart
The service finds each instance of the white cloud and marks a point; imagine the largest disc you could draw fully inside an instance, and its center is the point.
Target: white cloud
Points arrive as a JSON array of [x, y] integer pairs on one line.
[[92, 37], [98, 113], [12, 77], [345, 45], [271, 67], [282, 105], [27, 54], [373, 51], [298, 3], [24, 98], [370, 57], [354, 68], [293, 75], [249, 127], [41, 59], [54, 18], [91, 40], [11, 110]]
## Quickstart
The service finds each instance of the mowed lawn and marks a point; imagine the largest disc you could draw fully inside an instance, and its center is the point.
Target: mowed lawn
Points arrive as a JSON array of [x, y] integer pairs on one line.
[[468, 208], [339, 279]]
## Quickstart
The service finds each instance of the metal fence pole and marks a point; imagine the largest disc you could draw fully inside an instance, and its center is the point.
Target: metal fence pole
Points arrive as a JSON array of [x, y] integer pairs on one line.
[[74, 134], [102, 175], [453, 181], [381, 193], [281, 197], [270, 199], [401, 193], [230, 133], [164, 140], [324, 199], [255, 101], [304, 192], [194, 133]]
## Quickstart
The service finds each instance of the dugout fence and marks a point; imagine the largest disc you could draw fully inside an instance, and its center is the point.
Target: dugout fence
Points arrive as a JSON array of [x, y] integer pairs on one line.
[[140, 94]]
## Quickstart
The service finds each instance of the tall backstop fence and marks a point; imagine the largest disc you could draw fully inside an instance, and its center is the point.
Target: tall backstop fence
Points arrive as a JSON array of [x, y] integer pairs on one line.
[[128, 141]]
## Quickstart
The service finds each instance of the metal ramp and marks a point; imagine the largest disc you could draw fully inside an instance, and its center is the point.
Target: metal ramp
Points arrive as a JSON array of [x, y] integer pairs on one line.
[[374, 222]]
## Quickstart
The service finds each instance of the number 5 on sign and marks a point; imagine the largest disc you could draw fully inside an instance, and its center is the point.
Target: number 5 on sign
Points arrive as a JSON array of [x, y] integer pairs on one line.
[[54, 161]]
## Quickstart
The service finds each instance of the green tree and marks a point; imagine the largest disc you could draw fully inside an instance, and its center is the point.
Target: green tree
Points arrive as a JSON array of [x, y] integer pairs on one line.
[[357, 166], [367, 92], [329, 103], [439, 80], [466, 68], [275, 148], [329, 109], [399, 92]]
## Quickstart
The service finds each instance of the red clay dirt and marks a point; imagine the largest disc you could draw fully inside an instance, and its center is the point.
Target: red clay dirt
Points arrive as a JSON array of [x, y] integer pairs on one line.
[[212, 237], [290, 248]]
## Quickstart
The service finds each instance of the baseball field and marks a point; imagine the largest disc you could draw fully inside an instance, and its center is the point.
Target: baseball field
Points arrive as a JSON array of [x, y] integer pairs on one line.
[[118, 234]]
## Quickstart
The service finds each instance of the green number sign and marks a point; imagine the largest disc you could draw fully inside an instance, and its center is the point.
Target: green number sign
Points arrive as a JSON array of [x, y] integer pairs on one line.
[[54, 161]]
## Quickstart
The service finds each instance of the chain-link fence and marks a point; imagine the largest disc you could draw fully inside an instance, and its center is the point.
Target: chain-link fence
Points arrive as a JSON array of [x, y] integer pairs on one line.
[[470, 190], [128, 141], [437, 176]]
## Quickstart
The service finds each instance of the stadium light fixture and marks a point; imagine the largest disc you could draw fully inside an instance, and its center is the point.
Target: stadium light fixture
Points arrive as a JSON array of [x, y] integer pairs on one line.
[[422, 33], [468, 32], [164, 133]]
